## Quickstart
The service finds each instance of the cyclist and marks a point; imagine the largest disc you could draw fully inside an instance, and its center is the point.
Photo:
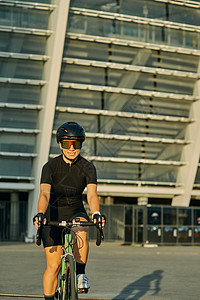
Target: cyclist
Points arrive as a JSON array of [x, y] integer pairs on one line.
[[63, 181]]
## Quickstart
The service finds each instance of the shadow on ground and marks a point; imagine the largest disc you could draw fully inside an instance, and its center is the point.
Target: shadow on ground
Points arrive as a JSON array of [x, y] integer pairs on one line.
[[140, 287]]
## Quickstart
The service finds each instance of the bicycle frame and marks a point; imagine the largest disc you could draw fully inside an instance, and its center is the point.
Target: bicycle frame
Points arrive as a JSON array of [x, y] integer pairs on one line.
[[67, 284], [67, 250]]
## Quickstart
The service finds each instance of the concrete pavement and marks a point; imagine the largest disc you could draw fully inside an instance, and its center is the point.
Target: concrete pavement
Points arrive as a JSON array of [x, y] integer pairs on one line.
[[115, 271]]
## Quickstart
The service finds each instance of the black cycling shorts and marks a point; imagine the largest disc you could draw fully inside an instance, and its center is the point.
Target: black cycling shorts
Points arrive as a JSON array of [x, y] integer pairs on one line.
[[52, 236]]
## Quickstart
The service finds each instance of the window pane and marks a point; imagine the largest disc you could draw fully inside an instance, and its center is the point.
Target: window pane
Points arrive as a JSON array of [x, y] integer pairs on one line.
[[14, 142], [23, 94], [76, 98], [128, 215], [86, 75], [12, 118], [21, 43], [154, 215], [89, 123], [85, 50], [15, 166], [17, 68], [23, 17], [184, 216], [196, 216], [169, 216], [106, 170]]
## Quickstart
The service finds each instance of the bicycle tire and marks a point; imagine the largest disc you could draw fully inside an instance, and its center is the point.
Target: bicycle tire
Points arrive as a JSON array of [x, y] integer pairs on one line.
[[58, 294], [70, 285]]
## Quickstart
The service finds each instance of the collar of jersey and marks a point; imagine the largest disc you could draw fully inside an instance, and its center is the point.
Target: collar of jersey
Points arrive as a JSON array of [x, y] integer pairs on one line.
[[72, 161]]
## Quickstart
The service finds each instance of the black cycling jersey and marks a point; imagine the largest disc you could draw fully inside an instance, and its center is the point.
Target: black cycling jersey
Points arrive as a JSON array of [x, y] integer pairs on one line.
[[68, 182]]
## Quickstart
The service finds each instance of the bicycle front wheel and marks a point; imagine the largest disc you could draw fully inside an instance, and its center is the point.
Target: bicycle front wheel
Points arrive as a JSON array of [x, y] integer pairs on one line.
[[70, 284]]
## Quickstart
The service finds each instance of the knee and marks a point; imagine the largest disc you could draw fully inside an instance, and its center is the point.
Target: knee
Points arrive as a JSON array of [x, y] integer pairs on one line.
[[53, 267]]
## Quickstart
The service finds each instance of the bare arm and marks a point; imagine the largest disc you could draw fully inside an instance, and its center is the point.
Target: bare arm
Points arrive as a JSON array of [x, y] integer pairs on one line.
[[92, 197], [43, 201], [93, 201], [44, 198]]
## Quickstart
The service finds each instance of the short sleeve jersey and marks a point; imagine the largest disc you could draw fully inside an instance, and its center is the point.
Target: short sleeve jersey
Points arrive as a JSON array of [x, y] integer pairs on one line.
[[68, 181]]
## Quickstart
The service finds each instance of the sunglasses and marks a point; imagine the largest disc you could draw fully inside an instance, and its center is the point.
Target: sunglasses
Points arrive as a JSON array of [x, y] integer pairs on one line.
[[67, 144]]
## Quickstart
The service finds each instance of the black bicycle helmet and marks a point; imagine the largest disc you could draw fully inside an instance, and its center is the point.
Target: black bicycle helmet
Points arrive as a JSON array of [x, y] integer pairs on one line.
[[70, 131]]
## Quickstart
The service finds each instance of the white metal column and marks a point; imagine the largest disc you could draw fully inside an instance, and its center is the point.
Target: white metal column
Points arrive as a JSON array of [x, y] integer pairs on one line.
[[191, 153], [54, 49]]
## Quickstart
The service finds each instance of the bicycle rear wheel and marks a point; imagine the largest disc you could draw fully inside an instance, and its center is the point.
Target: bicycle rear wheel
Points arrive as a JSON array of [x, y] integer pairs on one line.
[[70, 285]]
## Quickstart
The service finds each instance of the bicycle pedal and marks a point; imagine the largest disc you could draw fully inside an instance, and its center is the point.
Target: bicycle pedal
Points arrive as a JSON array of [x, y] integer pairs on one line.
[[82, 291]]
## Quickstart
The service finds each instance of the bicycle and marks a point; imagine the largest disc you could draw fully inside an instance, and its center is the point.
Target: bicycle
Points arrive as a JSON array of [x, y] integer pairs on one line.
[[67, 284]]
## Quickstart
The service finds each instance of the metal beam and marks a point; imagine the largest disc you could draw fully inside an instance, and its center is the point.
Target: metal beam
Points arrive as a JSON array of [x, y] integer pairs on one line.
[[134, 191], [55, 43], [120, 66], [125, 91], [133, 19], [134, 44], [16, 186], [188, 3]]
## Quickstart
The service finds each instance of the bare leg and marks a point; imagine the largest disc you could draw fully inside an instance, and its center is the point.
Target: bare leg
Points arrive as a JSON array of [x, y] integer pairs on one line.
[[50, 277], [80, 251], [81, 245]]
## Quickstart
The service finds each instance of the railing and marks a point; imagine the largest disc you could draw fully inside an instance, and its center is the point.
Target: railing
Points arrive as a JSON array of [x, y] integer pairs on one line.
[[146, 225], [131, 224]]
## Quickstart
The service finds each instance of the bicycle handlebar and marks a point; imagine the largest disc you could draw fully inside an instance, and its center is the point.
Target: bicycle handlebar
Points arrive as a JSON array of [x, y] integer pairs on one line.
[[69, 225], [38, 234]]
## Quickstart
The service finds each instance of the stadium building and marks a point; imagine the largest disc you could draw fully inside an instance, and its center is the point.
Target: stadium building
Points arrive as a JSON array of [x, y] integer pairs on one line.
[[129, 72]]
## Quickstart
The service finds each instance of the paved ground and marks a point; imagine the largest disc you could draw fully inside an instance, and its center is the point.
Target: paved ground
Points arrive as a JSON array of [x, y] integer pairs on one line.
[[116, 272]]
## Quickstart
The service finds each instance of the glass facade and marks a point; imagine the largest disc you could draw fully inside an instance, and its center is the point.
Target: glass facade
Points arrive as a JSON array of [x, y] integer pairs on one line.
[[162, 225], [128, 72], [152, 225], [111, 75]]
